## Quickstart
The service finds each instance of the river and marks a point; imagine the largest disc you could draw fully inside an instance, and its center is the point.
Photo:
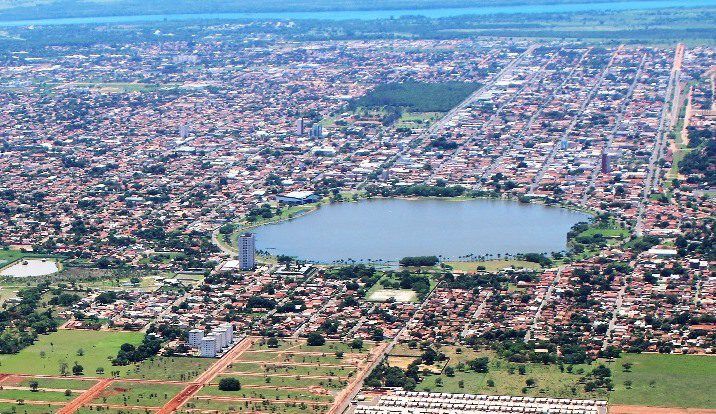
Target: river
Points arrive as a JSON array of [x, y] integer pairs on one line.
[[389, 229], [372, 14]]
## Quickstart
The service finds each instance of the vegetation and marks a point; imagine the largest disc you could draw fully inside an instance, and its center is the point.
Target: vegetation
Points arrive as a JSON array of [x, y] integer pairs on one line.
[[419, 261], [417, 96], [229, 384]]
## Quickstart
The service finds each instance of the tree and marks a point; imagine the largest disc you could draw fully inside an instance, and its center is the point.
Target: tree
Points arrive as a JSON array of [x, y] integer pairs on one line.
[[272, 342], [357, 344], [530, 382], [627, 384], [490, 383], [627, 366], [450, 371], [479, 364], [63, 368], [229, 384], [34, 385], [315, 339], [77, 369]]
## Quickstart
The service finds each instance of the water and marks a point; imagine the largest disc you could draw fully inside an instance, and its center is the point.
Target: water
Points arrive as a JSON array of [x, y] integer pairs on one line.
[[31, 268], [373, 14], [389, 229]]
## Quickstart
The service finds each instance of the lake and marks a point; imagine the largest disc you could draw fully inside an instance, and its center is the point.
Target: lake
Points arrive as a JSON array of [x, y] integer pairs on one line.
[[389, 229], [31, 268], [373, 14]]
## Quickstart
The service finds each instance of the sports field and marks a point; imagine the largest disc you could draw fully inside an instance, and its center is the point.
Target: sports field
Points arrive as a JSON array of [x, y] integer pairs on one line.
[[399, 295], [91, 349]]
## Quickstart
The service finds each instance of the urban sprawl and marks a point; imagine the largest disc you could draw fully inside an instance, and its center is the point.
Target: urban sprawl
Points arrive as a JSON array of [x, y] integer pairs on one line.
[[139, 169]]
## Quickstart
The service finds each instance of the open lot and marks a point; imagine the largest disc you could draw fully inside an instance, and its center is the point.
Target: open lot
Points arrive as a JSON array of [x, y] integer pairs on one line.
[[91, 349], [657, 380], [665, 380], [399, 295], [289, 378]]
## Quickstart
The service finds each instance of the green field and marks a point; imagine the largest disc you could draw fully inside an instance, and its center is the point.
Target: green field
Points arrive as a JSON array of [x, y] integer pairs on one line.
[[685, 381], [26, 408], [98, 349], [169, 368], [550, 381], [665, 380], [130, 393]]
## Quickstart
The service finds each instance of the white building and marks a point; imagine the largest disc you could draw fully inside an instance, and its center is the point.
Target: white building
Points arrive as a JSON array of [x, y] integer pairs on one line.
[[195, 337], [247, 251], [208, 346]]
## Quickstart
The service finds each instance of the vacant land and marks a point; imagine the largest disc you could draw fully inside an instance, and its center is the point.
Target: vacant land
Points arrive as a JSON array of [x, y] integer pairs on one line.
[[91, 349], [656, 380], [169, 368], [417, 96], [399, 295], [665, 380]]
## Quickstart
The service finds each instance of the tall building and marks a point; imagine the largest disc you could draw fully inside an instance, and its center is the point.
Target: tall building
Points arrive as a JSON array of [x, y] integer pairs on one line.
[[316, 131], [195, 337], [208, 346], [605, 162], [247, 251], [184, 131], [299, 126]]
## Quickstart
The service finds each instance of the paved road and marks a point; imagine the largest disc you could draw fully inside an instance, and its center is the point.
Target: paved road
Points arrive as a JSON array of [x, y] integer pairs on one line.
[[622, 110], [652, 179], [451, 114], [545, 299], [518, 139], [615, 315], [343, 403], [493, 118], [550, 157]]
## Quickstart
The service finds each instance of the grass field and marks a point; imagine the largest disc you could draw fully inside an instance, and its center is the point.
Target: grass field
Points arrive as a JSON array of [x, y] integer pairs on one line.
[[684, 381], [98, 348], [169, 368], [491, 265], [665, 380], [550, 381], [130, 393]]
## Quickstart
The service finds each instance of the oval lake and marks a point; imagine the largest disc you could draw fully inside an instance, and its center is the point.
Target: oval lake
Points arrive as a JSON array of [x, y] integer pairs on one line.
[[389, 229]]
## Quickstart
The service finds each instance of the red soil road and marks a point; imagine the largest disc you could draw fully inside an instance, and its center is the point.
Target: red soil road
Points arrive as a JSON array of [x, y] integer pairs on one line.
[[86, 397], [641, 409], [206, 377], [344, 397]]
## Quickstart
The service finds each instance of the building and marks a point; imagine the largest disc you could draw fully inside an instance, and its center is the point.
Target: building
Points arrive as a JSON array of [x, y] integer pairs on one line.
[[316, 132], [605, 162], [298, 197], [300, 126], [208, 347], [247, 251], [195, 337]]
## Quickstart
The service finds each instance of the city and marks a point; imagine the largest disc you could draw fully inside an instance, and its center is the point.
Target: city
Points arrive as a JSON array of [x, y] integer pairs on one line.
[[146, 168]]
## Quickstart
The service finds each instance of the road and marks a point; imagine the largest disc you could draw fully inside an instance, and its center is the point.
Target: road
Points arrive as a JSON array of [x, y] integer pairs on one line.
[[521, 134], [497, 113], [86, 397], [342, 403], [545, 299], [550, 157], [622, 110], [652, 180], [206, 377], [451, 114], [615, 315]]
